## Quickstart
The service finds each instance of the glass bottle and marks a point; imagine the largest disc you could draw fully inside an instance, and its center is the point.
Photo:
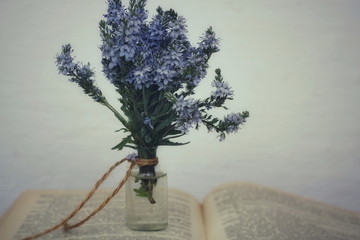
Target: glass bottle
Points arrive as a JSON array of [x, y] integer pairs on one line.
[[146, 199]]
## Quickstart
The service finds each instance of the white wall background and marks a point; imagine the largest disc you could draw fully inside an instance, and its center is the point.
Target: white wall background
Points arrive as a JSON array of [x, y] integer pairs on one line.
[[293, 64]]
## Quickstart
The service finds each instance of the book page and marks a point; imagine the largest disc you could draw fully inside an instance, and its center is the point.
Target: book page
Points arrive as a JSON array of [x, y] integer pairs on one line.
[[250, 212], [36, 211]]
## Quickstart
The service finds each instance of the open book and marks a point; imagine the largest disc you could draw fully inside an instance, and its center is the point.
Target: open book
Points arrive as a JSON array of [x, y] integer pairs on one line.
[[235, 211]]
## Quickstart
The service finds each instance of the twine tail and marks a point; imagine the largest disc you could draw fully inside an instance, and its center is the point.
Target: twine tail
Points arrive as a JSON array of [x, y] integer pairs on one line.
[[64, 222], [103, 204]]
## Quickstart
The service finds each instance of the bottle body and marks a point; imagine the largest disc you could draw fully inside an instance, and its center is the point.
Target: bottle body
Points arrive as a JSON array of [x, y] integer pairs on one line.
[[147, 199]]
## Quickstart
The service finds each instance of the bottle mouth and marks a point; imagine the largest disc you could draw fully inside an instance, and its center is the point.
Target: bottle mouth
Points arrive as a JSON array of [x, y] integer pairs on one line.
[[144, 174]]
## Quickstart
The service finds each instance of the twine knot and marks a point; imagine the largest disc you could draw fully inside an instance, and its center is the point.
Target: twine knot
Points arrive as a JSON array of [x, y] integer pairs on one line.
[[141, 162]]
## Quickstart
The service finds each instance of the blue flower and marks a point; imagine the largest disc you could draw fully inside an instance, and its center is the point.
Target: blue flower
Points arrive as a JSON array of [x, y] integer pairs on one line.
[[233, 121], [156, 32], [129, 42], [209, 43], [147, 121], [153, 62], [64, 61], [177, 28], [174, 58], [115, 13], [188, 112], [222, 89], [163, 76], [132, 156], [78, 73], [127, 51]]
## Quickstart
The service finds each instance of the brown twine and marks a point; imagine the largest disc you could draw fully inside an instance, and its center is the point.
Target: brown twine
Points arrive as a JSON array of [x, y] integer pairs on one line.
[[64, 223]]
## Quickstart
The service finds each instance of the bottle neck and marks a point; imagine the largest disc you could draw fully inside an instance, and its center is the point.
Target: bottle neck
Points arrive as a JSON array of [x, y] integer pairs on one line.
[[147, 153]]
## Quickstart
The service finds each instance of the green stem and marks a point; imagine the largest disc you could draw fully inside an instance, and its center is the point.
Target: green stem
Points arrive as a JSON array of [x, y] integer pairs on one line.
[[207, 123], [122, 120], [148, 184], [117, 114], [145, 102]]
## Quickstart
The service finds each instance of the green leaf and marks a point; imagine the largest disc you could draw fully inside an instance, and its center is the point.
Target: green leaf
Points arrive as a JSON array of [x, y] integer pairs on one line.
[[174, 132], [245, 114], [123, 143], [175, 136], [122, 129], [163, 124], [141, 192], [131, 146], [161, 109], [166, 142]]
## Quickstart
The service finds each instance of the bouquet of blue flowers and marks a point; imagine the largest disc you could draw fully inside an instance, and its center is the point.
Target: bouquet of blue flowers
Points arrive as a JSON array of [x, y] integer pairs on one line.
[[155, 70]]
